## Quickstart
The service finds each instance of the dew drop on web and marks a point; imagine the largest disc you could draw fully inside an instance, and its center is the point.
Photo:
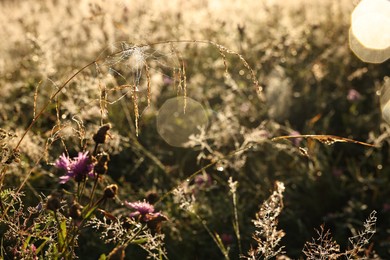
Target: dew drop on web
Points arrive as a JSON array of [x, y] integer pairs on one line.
[[220, 167]]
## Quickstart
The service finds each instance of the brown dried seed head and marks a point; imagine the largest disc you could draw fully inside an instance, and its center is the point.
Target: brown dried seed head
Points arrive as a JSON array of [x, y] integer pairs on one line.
[[101, 134], [75, 210], [102, 163], [101, 169], [110, 191], [152, 197], [53, 203], [103, 157]]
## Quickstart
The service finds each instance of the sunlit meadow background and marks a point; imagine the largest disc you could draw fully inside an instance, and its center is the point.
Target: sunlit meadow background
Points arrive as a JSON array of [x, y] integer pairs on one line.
[[309, 83]]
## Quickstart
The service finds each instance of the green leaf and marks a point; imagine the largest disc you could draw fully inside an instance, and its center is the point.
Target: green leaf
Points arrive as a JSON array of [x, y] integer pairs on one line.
[[26, 243], [62, 234], [42, 245], [89, 212]]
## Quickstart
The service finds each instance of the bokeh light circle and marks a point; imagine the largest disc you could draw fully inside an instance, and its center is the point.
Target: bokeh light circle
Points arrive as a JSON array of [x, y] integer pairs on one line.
[[367, 54], [369, 36], [175, 125], [373, 31]]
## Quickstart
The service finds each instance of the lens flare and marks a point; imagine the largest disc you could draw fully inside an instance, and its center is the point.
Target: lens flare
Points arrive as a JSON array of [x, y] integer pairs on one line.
[[369, 36], [175, 125]]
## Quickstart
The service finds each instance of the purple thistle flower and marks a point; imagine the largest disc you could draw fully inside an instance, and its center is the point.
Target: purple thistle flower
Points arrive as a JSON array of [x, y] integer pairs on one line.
[[141, 208], [63, 162], [77, 168], [144, 213]]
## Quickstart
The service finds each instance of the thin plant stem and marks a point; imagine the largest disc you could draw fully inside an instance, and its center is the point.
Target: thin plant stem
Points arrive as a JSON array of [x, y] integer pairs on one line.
[[78, 192], [95, 149], [96, 179], [236, 223], [203, 169], [221, 248], [93, 189]]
